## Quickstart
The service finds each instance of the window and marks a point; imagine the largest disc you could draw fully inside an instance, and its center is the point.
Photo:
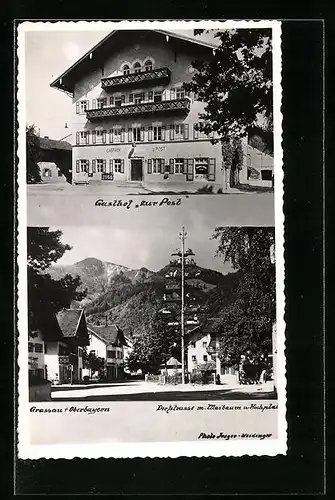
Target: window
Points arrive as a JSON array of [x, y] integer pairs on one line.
[[117, 135], [179, 131], [201, 166], [136, 134], [83, 165], [157, 131], [93, 352], [197, 134], [137, 67], [38, 347], [179, 165], [148, 65], [150, 95], [100, 165], [118, 166], [194, 359], [30, 347], [205, 357], [99, 136], [83, 106], [111, 354], [139, 98], [266, 175], [102, 102], [126, 69], [204, 344], [83, 137], [193, 344], [156, 163], [46, 172], [131, 98], [157, 95], [59, 173], [180, 93], [119, 100]]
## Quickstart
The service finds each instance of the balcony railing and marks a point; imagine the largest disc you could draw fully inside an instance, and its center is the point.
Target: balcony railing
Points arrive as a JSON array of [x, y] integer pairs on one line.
[[175, 105], [154, 75]]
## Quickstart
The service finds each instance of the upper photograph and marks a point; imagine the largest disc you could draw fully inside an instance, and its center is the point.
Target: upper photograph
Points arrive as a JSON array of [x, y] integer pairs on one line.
[[140, 111]]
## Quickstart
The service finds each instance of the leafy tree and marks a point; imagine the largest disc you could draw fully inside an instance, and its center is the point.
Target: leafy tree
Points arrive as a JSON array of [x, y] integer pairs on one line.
[[93, 362], [33, 154], [47, 296], [246, 322], [236, 84]]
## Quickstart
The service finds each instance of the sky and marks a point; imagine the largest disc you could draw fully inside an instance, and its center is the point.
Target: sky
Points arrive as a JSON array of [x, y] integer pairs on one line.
[[47, 55], [136, 241]]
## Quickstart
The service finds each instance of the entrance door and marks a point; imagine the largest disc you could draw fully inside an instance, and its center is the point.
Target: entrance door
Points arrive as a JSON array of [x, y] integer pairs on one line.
[[136, 170]]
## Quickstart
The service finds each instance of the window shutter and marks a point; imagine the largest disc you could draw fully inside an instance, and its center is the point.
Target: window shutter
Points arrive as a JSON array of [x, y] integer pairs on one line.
[[111, 101], [77, 108], [150, 166], [130, 135], [104, 166], [186, 131], [171, 165], [104, 136], [122, 166], [88, 166], [93, 166], [211, 169], [162, 166], [182, 168], [150, 95], [142, 134], [93, 136], [189, 169], [123, 99], [195, 132], [171, 132], [94, 104], [87, 105], [77, 137], [163, 132], [172, 94], [111, 135], [150, 134], [122, 134], [110, 165], [87, 137], [77, 166]]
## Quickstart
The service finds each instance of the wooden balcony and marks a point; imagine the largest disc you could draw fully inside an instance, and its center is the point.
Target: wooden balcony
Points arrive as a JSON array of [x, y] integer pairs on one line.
[[138, 79], [159, 107]]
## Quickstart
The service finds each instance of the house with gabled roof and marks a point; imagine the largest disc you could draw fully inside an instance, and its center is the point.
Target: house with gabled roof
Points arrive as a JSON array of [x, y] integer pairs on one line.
[[108, 342], [132, 119], [64, 346]]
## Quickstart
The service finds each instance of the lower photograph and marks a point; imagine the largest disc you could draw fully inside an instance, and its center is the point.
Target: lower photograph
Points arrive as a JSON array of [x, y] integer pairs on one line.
[[136, 337]]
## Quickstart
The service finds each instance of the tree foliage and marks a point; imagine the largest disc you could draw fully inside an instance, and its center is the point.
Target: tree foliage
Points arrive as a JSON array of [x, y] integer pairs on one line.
[[92, 361], [246, 322], [33, 155], [47, 296], [236, 84]]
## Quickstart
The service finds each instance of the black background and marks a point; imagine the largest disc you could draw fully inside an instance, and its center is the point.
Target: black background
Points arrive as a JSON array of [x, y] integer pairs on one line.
[[302, 470]]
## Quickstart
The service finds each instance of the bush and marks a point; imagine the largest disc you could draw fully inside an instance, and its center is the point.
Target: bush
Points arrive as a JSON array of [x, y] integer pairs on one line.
[[173, 379], [152, 378]]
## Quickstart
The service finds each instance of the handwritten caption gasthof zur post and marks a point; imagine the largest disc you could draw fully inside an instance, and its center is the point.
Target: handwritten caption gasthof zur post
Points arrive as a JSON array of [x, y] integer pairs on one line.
[[164, 202]]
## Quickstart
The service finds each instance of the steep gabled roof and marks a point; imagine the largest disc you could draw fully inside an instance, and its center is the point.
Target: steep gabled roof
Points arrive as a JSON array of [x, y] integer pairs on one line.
[[107, 333], [69, 320], [51, 144], [99, 48]]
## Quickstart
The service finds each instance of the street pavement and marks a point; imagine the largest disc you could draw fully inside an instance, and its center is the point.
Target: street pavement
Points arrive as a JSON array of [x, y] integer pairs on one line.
[[148, 391]]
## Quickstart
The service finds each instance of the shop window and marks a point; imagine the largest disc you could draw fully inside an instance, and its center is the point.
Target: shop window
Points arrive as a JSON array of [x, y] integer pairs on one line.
[[266, 175], [201, 167]]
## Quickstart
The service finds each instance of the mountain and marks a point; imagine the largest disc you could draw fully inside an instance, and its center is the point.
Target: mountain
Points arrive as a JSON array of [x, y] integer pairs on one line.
[[131, 298], [96, 275]]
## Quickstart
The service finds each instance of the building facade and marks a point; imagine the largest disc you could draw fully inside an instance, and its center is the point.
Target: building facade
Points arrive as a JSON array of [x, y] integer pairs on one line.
[[36, 356], [108, 342], [132, 120]]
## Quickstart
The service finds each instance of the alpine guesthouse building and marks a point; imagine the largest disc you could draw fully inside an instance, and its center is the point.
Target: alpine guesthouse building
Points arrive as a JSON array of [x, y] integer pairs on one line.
[[132, 120]]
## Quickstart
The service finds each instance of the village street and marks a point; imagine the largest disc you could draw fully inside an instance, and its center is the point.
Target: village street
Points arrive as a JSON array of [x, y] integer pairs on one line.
[[139, 390]]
